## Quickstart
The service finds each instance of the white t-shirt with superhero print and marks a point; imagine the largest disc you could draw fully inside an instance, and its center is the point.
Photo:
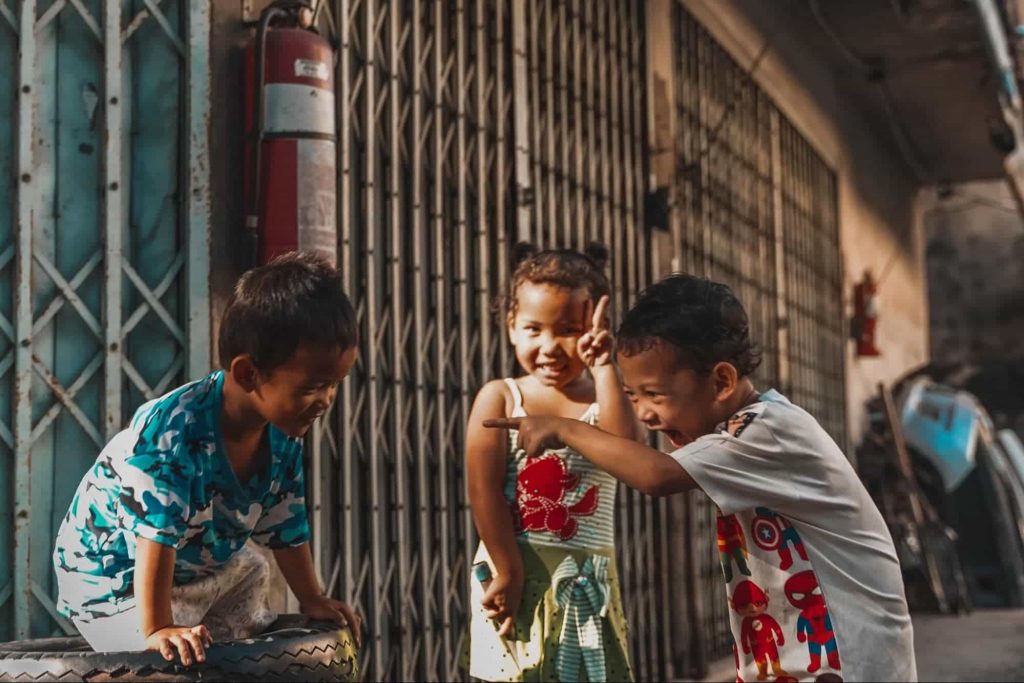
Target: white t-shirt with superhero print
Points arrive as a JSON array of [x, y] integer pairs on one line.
[[814, 587]]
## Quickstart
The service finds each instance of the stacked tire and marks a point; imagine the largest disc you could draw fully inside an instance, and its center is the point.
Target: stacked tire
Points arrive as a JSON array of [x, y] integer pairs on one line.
[[293, 649]]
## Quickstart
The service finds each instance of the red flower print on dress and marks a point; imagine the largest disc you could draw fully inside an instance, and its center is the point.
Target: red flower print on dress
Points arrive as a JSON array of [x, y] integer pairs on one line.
[[540, 493]]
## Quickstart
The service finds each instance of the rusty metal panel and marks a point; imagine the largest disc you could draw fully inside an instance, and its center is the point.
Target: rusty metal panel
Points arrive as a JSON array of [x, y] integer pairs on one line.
[[9, 153], [99, 261]]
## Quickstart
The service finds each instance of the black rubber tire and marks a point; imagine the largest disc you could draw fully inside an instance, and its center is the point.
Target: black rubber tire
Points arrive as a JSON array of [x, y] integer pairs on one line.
[[293, 649]]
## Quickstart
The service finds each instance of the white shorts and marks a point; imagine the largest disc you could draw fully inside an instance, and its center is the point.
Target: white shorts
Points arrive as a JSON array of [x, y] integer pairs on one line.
[[233, 603]]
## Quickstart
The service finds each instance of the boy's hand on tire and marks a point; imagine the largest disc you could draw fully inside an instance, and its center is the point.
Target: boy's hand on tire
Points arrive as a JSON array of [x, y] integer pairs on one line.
[[329, 609], [189, 642]]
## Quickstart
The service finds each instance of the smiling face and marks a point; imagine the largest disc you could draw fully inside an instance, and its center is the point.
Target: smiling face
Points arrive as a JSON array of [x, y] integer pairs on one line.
[[671, 398], [293, 395], [547, 323]]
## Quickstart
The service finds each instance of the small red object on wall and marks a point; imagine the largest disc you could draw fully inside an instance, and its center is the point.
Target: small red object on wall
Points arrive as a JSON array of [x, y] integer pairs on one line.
[[865, 315]]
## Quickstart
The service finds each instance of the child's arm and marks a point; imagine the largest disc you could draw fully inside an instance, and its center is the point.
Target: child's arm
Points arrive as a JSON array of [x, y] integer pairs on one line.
[[616, 411], [634, 464], [486, 460], [597, 347], [154, 576], [296, 564]]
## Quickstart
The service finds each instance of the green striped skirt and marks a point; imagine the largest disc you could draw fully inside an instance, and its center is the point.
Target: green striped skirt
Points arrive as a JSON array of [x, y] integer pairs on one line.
[[569, 627]]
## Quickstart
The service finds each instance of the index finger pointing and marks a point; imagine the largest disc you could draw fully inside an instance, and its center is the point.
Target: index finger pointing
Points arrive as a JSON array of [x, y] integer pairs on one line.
[[600, 311], [502, 423]]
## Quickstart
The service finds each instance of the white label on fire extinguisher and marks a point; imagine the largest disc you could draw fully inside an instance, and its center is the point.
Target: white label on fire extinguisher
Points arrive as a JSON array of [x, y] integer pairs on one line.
[[317, 197], [311, 68], [294, 108]]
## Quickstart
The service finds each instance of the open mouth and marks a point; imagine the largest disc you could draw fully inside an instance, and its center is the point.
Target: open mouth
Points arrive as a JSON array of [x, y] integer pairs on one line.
[[675, 437], [551, 369]]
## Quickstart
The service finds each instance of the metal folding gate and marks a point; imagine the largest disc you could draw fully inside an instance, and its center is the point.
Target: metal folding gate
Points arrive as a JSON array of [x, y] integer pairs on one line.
[[470, 125], [103, 251]]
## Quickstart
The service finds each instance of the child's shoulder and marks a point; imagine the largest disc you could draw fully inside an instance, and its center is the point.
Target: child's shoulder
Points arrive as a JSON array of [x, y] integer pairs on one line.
[[171, 413], [776, 423], [495, 395]]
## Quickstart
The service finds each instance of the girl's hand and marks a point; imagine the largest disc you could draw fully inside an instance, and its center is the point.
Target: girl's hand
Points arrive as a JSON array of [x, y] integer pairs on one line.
[[596, 346], [501, 600], [189, 643], [537, 434], [329, 609]]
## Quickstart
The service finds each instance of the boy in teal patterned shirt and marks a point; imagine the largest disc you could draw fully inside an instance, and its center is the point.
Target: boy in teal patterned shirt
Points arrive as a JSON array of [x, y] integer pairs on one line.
[[152, 553]]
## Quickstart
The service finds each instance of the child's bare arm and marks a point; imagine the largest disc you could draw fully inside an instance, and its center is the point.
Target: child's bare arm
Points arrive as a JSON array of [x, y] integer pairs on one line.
[[597, 347], [296, 564], [486, 461], [154, 576], [616, 411], [638, 466]]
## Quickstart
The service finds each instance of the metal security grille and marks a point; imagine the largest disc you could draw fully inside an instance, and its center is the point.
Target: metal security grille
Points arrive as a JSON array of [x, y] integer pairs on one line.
[[466, 126], [103, 251], [813, 274], [580, 173], [755, 208]]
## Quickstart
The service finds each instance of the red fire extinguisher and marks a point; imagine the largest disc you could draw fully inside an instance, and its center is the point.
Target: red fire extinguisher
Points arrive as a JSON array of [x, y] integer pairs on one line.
[[290, 123], [865, 315]]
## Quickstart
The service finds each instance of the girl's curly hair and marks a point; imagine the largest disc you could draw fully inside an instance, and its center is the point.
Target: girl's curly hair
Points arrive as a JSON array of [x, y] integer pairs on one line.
[[566, 268]]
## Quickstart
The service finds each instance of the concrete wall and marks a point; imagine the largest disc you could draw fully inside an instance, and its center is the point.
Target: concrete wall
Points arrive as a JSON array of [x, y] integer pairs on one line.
[[229, 35], [880, 221], [975, 258]]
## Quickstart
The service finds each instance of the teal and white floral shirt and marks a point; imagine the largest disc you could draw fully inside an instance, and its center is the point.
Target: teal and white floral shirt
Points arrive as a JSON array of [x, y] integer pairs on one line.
[[167, 479]]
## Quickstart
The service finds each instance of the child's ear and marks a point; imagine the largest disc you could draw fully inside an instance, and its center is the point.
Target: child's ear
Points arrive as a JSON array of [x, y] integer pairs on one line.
[[726, 379], [244, 372]]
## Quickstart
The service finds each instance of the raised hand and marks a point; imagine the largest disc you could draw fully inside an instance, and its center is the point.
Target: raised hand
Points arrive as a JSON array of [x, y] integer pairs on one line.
[[596, 346]]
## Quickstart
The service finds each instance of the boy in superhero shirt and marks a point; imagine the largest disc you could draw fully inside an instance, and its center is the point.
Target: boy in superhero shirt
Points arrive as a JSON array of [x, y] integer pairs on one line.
[[686, 357]]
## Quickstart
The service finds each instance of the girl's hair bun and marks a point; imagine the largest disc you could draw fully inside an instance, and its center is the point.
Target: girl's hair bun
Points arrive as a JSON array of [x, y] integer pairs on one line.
[[598, 253], [523, 251]]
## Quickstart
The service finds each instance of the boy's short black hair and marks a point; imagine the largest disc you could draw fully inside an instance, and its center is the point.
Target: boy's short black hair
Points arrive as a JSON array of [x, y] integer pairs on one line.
[[701, 319], [295, 299]]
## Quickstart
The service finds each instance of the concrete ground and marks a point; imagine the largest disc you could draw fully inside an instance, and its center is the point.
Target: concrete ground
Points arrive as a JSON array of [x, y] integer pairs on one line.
[[987, 645]]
